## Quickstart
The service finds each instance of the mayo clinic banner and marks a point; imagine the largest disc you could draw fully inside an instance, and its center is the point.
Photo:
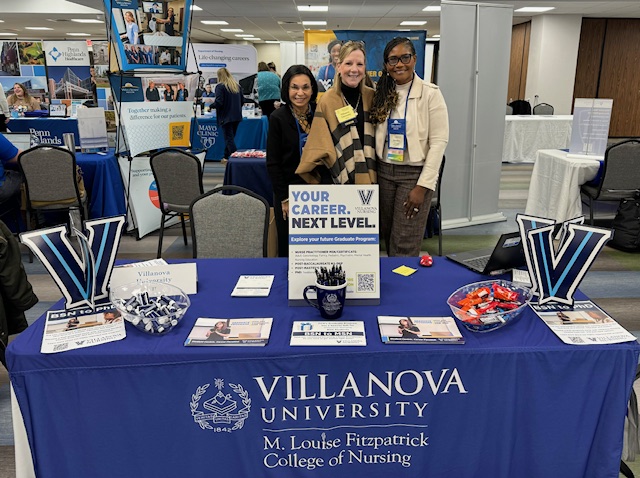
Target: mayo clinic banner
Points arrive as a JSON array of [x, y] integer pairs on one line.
[[240, 60], [318, 56], [149, 34], [339, 225]]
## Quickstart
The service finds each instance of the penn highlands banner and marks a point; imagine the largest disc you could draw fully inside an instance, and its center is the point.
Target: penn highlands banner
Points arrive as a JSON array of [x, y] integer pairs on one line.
[[318, 56], [149, 34], [68, 70]]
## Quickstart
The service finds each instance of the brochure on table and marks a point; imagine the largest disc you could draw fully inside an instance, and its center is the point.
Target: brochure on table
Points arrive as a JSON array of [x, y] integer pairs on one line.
[[335, 224], [584, 323], [80, 328], [253, 286], [590, 130], [215, 332], [328, 333], [419, 330]]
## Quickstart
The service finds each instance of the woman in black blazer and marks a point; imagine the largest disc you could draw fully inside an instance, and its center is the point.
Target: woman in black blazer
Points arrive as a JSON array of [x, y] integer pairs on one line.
[[289, 126], [228, 104]]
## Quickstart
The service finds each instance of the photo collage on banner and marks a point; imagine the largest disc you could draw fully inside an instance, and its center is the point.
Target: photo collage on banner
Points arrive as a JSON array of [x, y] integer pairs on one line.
[[322, 49], [23, 63], [149, 35]]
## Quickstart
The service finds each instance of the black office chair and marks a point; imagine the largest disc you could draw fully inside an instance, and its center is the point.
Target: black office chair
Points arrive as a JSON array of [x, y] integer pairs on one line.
[[543, 109], [521, 107], [620, 175], [178, 177]]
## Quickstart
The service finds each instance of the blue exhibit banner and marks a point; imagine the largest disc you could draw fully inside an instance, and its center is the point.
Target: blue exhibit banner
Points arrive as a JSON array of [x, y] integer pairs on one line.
[[318, 55], [149, 35]]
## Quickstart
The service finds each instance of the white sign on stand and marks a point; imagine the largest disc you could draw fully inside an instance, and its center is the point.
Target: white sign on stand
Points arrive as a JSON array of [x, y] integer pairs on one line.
[[590, 130], [335, 224]]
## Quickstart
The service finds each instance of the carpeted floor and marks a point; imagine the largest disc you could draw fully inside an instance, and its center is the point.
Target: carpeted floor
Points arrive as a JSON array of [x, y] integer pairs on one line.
[[613, 282]]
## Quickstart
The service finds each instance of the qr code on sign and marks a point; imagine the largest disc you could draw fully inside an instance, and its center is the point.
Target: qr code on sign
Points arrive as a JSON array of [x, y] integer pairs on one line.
[[576, 340], [60, 347], [365, 282], [177, 133]]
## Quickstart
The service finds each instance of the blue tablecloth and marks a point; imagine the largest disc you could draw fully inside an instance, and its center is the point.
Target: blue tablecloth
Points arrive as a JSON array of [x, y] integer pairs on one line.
[[46, 130], [205, 134], [250, 173], [104, 183], [513, 402]]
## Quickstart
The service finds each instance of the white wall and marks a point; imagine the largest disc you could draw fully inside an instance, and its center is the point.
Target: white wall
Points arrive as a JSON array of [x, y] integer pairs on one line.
[[553, 55], [269, 52]]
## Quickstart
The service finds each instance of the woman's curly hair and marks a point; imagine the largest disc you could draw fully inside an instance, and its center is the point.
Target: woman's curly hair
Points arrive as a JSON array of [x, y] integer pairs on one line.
[[386, 97]]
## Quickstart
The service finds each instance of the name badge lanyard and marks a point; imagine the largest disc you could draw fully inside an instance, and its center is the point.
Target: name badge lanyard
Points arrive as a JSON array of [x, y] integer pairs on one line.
[[397, 133]]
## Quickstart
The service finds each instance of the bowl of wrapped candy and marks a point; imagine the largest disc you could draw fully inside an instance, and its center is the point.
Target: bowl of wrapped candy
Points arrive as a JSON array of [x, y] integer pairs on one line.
[[153, 308], [489, 305]]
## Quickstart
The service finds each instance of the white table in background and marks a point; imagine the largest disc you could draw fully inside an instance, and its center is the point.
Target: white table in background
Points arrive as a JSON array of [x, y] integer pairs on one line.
[[554, 191], [524, 135]]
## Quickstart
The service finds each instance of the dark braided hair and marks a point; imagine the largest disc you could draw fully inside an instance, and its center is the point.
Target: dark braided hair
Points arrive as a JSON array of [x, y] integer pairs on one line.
[[386, 97]]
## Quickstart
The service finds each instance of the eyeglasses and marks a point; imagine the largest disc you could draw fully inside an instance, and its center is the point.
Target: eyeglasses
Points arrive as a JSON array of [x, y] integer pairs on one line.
[[405, 59]]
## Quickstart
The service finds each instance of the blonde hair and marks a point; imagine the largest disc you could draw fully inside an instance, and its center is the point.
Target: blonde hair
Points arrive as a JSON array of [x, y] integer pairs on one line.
[[345, 51], [228, 81]]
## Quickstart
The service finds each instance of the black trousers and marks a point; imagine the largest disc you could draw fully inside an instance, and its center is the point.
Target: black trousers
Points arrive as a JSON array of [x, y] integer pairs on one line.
[[3, 126], [229, 133]]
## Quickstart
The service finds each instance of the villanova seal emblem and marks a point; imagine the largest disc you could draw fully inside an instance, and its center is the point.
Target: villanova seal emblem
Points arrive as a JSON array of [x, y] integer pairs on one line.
[[224, 412]]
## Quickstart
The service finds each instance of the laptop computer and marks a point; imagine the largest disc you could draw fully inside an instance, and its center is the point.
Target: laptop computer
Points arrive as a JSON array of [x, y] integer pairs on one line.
[[506, 255], [22, 141]]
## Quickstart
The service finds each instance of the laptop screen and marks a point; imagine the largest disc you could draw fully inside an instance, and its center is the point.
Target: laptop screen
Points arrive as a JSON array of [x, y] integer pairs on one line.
[[22, 141]]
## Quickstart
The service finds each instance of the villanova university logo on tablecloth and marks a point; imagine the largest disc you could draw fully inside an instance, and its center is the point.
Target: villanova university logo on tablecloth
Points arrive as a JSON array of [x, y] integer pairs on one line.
[[556, 274], [83, 279], [224, 412]]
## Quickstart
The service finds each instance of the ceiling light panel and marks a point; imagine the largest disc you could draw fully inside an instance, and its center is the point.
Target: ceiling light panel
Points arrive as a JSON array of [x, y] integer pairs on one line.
[[407, 23], [313, 8], [534, 9], [213, 22]]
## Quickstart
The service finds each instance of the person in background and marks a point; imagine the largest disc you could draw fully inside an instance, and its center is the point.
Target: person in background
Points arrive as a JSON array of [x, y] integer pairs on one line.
[[5, 114], [21, 97], [272, 68], [152, 93], [327, 73], [169, 94], [208, 93], [409, 150], [289, 126], [132, 28], [268, 89], [10, 180], [341, 137], [181, 93], [165, 57], [228, 104], [153, 25], [168, 22]]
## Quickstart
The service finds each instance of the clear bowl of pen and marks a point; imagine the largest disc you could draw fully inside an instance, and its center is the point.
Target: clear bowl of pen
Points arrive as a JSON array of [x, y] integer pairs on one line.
[[154, 308]]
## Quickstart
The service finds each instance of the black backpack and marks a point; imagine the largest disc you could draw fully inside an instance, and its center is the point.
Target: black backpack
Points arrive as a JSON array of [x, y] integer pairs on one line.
[[626, 225]]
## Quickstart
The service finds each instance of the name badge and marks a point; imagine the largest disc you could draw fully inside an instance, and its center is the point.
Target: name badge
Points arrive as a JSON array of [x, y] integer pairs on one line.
[[346, 115], [396, 132]]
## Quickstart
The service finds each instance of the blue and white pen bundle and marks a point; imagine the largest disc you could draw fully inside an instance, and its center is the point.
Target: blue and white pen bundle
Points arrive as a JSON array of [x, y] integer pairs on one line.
[[330, 276]]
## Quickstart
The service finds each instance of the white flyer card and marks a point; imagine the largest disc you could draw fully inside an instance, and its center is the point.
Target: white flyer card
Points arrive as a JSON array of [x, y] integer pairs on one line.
[[253, 286], [328, 333]]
